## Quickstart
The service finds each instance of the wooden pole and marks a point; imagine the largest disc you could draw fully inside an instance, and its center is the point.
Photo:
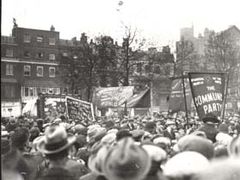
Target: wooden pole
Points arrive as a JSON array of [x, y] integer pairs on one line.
[[185, 101], [225, 97]]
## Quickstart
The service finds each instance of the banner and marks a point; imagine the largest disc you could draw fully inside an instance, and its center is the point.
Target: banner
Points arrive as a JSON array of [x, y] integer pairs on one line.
[[208, 92], [79, 110], [112, 96], [176, 99]]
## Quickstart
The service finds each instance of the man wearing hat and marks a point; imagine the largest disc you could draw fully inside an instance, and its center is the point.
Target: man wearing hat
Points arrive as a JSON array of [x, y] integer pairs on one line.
[[55, 146], [210, 121]]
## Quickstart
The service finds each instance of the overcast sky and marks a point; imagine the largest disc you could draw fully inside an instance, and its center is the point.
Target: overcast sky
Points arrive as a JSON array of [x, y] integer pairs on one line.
[[159, 21]]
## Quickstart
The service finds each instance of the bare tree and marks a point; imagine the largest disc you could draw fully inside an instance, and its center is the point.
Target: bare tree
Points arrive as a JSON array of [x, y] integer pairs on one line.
[[186, 59], [220, 52], [131, 47]]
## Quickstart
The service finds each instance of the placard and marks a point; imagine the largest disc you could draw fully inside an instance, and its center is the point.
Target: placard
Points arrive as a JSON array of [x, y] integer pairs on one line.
[[79, 110], [112, 96]]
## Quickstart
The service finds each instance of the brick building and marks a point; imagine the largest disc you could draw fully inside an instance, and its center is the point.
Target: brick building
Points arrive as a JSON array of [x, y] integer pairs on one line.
[[28, 67]]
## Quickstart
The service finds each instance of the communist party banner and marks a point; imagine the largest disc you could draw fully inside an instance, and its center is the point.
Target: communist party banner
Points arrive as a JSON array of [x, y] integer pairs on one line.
[[208, 92]]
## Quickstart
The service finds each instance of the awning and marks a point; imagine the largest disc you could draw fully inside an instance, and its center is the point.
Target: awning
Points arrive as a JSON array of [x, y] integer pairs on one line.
[[140, 100], [8, 80], [34, 83]]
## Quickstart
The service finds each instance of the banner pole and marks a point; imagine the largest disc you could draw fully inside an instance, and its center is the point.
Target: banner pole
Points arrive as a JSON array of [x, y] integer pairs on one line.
[[225, 97], [185, 100]]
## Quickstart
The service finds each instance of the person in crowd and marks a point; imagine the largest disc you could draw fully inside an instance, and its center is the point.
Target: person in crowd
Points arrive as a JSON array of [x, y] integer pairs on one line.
[[9, 162], [185, 165], [196, 144], [56, 149], [20, 146], [136, 148], [209, 127], [169, 130], [158, 157], [12, 124], [126, 161]]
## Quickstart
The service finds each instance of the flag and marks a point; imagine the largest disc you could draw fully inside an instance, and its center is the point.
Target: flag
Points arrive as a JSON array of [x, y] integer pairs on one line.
[[208, 92], [176, 99]]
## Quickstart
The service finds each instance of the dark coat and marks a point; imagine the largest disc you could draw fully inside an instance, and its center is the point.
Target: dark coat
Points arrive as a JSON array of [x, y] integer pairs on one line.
[[57, 173], [210, 131]]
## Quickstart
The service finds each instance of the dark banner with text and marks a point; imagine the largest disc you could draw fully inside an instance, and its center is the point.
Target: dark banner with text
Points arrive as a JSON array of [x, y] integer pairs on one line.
[[208, 92], [176, 99]]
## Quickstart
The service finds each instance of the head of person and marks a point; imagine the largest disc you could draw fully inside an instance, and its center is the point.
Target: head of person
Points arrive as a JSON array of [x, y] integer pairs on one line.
[[20, 138], [56, 143], [185, 165], [196, 144], [126, 161], [157, 155]]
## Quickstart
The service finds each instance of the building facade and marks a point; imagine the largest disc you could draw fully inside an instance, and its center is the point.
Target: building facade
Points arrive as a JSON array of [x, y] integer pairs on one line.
[[29, 66]]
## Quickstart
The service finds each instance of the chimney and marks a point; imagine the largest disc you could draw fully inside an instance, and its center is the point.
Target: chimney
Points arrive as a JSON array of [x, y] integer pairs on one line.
[[52, 28]]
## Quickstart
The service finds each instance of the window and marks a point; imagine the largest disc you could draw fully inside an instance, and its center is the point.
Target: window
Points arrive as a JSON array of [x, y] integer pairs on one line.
[[9, 91], [27, 54], [50, 90], [29, 91], [9, 69], [44, 90], [52, 41], [27, 38], [39, 39], [65, 54], [27, 70], [9, 53], [40, 55], [56, 90], [40, 71], [26, 91], [52, 72], [52, 57]]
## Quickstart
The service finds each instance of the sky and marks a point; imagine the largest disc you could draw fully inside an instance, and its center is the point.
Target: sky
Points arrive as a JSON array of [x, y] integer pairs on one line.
[[158, 21]]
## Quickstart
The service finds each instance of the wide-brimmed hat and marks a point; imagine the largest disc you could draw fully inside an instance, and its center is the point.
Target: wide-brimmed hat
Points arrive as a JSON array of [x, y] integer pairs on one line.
[[55, 140], [96, 159], [126, 161]]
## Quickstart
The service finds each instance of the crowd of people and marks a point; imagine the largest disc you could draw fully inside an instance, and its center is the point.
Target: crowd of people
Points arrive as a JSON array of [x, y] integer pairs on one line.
[[130, 148]]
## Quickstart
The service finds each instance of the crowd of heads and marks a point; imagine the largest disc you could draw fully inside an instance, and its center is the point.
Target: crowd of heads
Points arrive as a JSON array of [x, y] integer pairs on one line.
[[161, 147]]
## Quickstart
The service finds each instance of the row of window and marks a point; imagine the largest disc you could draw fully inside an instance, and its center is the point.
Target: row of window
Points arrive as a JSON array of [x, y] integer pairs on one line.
[[39, 39], [27, 54], [141, 68], [39, 55], [27, 70], [34, 91]]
